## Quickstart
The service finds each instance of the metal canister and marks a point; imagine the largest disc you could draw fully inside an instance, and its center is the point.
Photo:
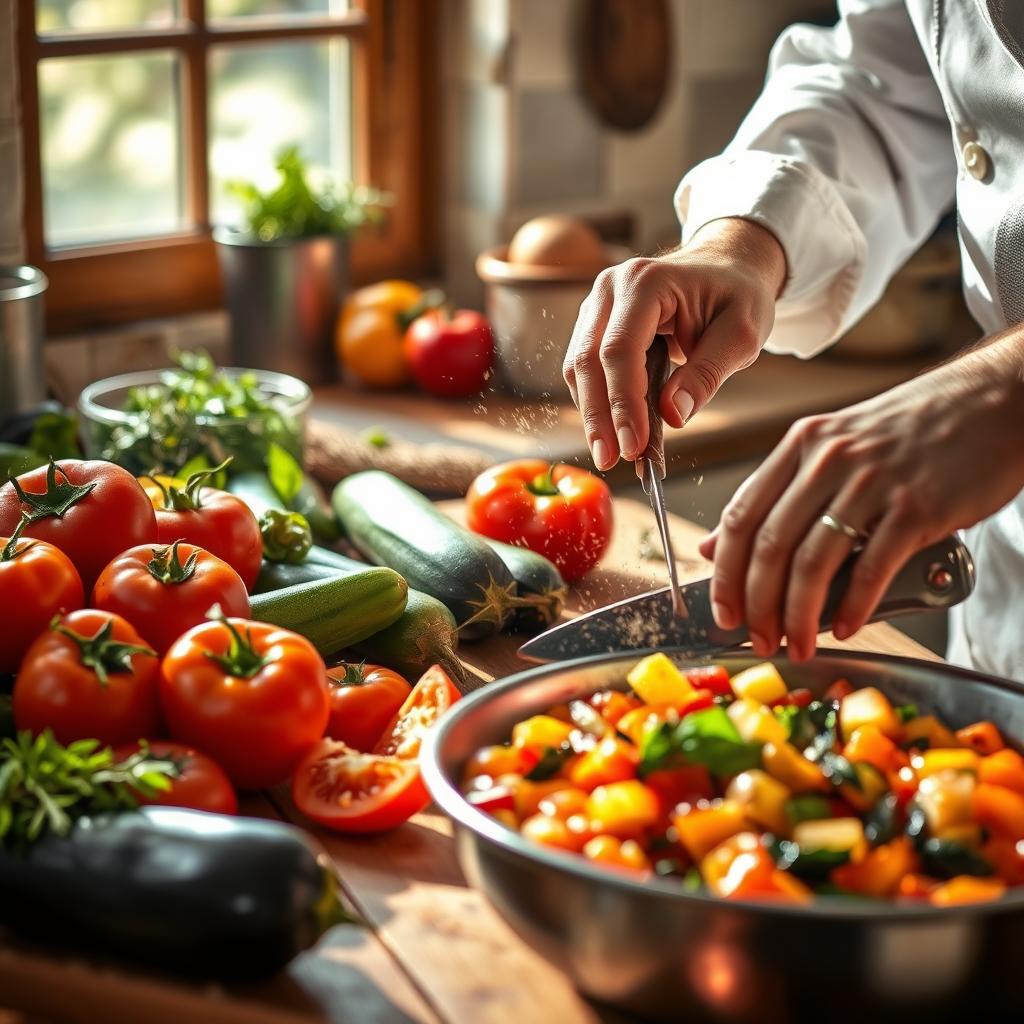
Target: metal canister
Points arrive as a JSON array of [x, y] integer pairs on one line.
[[282, 299], [22, 384]]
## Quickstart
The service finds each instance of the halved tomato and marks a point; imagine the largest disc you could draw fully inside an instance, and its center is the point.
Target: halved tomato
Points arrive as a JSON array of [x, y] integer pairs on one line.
[[431, 697], [348, 791]]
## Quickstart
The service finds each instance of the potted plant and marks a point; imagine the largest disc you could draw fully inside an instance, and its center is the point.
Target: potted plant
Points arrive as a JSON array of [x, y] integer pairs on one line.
[[285, 268]]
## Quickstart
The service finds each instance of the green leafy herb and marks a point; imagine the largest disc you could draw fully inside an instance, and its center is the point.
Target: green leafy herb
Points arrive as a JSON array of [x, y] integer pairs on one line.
[[55, 436], [550, 762], [45, 787], [905, 712], [705, 737], [296, 208], [284, 472], [195, 417]]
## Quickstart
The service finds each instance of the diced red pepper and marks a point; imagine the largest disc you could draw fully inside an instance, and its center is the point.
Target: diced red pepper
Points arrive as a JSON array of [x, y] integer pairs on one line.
[[681, 786], [497, 798], [699, 700], [838, 690], [798, 698], [710, 677]]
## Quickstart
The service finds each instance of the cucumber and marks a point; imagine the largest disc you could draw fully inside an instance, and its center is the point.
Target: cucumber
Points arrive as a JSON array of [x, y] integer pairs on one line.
[[423, 635], [256, 490], [337, 611], [539, 585], [391, 524]]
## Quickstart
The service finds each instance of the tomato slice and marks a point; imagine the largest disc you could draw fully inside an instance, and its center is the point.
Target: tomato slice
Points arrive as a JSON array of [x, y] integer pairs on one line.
[[431, 697], [349, 791]]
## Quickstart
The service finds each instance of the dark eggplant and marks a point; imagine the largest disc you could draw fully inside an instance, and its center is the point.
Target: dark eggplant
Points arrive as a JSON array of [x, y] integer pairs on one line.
[[185, 891]]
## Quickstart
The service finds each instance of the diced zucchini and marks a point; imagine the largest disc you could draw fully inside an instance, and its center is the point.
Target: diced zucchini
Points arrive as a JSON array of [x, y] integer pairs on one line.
[[868, 707], [759, 682], [755, 722], [762, 798], [837, 835], [656, 680]]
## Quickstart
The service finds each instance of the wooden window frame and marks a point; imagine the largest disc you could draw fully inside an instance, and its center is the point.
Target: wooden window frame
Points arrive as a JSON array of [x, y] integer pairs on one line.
[[394, 134]]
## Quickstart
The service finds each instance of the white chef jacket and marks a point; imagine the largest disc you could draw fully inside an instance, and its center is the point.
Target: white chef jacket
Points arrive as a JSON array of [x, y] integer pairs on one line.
[[864, 135]]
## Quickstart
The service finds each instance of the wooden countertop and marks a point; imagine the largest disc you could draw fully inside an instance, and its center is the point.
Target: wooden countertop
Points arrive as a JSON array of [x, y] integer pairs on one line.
[[435, 951], [748, 415]]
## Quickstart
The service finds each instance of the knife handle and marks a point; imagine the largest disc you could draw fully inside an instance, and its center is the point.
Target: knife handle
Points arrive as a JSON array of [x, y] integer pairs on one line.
[[658, 368], [939, 576]]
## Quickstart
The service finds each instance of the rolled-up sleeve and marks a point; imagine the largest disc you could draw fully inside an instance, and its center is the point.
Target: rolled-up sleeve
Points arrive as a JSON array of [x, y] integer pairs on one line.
[[846, 157]]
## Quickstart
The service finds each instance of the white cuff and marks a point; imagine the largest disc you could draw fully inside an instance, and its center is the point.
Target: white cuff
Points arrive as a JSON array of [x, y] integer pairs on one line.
[[825, 249]]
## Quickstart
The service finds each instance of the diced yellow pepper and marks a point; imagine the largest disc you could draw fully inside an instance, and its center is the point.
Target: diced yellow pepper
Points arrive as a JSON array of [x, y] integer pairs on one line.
[[656, 680], [701, 829], [835, 834], [755, 722], [930, 762], [759, 682], [868, 707], [928, 727], [762, 798], [622, 809], [784, 762], [540, 732], [946, 799]]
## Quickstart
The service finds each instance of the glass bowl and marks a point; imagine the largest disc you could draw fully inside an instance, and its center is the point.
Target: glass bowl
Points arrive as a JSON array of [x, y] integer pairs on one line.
[[165, 439]]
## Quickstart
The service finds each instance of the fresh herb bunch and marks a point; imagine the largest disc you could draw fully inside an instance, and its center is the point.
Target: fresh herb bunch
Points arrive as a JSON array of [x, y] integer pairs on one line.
[[45, 787], [295, 209], [197, 416]]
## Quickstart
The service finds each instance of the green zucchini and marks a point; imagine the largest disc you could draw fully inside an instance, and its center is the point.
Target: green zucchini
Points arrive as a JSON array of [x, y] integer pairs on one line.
[[391, 524], [256, 490], [423, 635], [338, 611], [539, 586]]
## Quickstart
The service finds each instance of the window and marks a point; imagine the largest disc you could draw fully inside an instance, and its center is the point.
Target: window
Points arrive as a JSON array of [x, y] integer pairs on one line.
[[137, 113]]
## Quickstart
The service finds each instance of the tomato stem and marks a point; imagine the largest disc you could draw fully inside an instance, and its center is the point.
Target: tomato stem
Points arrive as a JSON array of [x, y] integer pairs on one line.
[[242, 659], [544, 483], [434, 298], [101, 653], [56, 499], [355, 675], [189, 497], [11, 550], [166, 566]]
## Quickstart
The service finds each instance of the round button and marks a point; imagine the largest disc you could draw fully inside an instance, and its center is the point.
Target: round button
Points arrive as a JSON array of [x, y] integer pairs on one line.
[[976, 160]]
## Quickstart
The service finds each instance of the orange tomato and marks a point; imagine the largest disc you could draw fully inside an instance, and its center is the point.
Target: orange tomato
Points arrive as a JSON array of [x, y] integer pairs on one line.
[[999, 809], [611, 760], [981, 736]]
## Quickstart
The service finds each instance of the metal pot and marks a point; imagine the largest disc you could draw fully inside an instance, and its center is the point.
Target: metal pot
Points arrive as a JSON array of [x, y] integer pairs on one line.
[[22, 383], [282, 300], [648, 948]]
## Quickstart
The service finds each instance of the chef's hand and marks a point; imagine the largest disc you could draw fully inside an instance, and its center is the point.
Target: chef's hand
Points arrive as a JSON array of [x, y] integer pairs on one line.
[[935, 454], [714, 300]]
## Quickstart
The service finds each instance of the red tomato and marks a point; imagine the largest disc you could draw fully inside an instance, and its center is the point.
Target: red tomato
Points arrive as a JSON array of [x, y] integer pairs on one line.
[[249, 694], [559, 511], [431, 697], [165, 591], [449, 354], [676, 786], [710, 677], [364, 702], [92, 511], [699, 700], [37, 581], [349, 791], [201, 783], [215, 520], [89, 676], [798, 698]]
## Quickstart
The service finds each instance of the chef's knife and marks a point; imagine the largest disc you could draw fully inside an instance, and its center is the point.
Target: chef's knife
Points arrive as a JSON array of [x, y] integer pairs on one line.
[[939, 576]]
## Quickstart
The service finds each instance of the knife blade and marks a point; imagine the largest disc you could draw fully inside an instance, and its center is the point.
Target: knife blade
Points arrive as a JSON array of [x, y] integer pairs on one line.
[[939, 576]]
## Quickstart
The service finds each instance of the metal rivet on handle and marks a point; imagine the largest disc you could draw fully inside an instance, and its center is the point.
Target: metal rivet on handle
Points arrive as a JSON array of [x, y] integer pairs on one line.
[[939, 579]]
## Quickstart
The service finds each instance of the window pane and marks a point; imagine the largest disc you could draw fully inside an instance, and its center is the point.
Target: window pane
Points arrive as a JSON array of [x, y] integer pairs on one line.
[[219, 10], [263, 98], [97, 15], [111, 146]]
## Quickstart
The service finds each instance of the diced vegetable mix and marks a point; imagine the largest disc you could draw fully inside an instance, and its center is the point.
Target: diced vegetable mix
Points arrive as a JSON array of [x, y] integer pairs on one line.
[[746, 789]]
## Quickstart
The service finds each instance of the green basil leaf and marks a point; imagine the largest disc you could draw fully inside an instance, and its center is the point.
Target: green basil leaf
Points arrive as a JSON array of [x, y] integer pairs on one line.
[[709, 737], [55, 436], [284, 472], [905, 712], [550, 762]]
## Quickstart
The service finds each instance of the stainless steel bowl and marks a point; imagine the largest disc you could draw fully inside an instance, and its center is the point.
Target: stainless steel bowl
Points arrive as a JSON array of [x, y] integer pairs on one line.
[[648, 948]]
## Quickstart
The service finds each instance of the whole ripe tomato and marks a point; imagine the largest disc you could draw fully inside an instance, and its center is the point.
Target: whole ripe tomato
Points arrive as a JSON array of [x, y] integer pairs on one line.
[[251, 695], [349, 791], [371, 326], [90, 510], [164, 591], [89, 676], [559, 511], [37, 581], [364, 701], [212, 519], [450, 354], [201, 783]]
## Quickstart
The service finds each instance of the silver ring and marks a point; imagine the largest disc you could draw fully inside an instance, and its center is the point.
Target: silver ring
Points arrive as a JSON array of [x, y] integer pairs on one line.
[[833, 522]]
